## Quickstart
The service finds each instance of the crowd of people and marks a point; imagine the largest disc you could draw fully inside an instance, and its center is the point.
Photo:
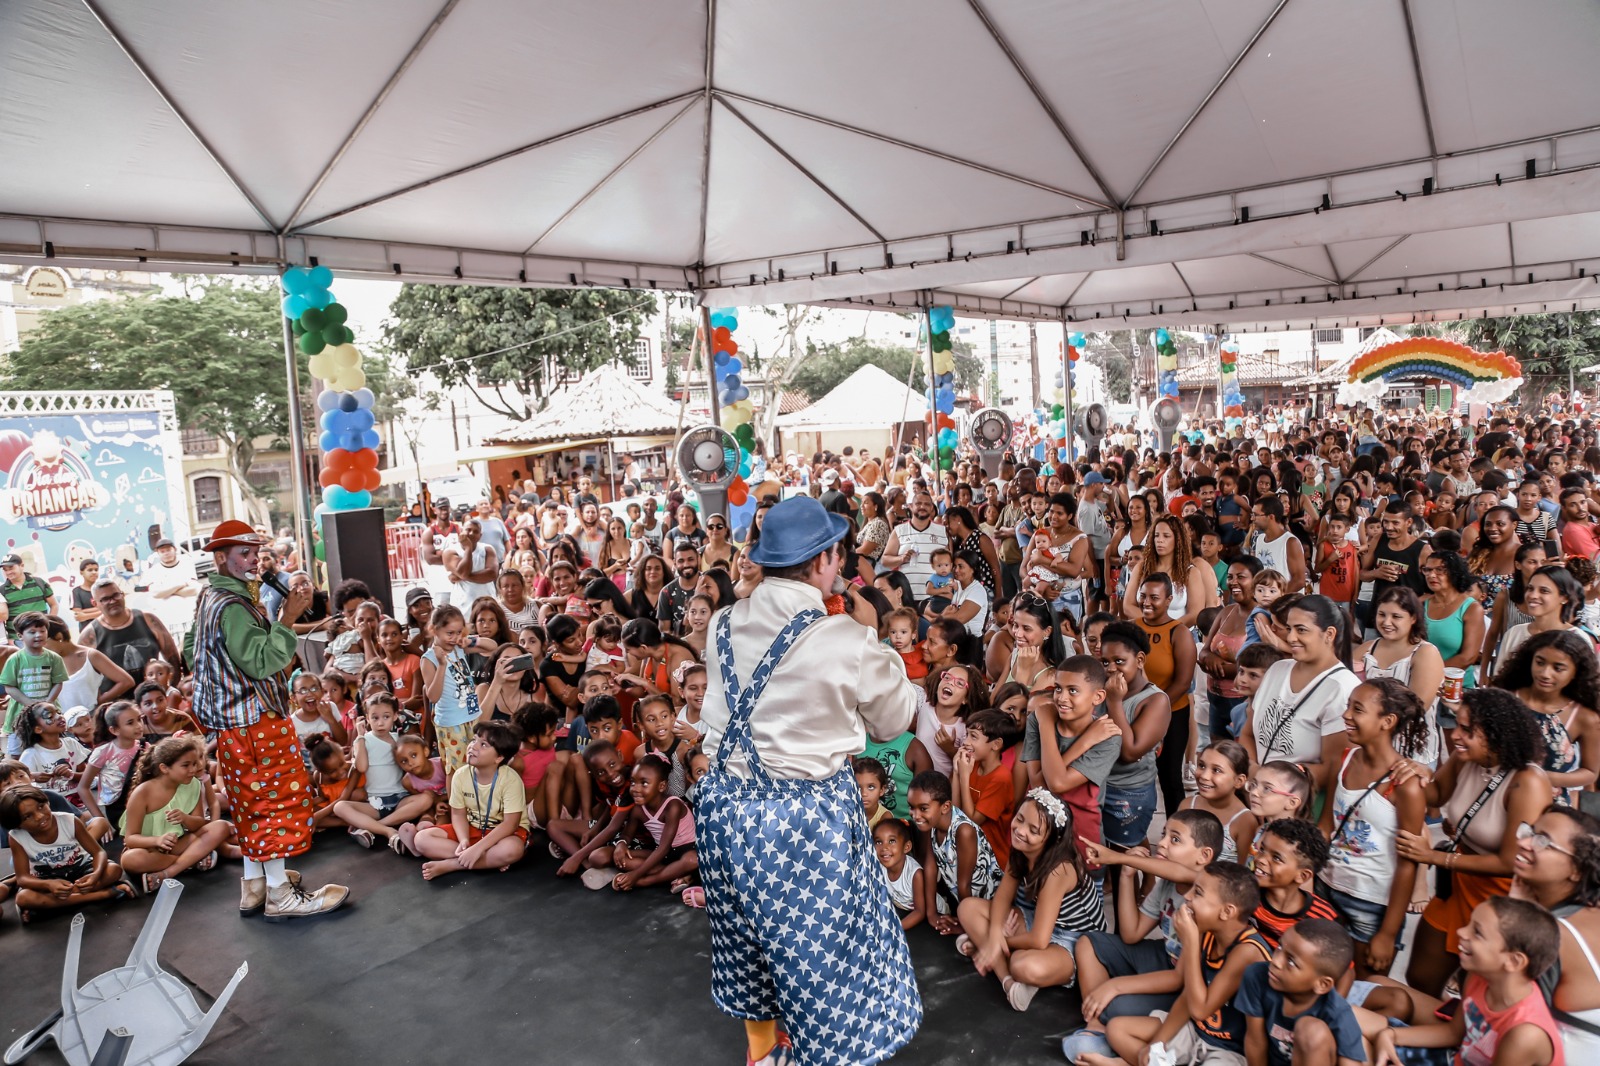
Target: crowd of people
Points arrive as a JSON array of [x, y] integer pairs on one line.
[[1200, 730]]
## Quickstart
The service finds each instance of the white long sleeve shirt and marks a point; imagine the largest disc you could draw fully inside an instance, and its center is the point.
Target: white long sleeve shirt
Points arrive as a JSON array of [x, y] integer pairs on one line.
[[837, 684]]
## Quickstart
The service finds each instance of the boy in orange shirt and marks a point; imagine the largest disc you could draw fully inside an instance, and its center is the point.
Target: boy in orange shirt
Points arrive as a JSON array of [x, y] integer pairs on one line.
[[1339, 575], [981, 786]]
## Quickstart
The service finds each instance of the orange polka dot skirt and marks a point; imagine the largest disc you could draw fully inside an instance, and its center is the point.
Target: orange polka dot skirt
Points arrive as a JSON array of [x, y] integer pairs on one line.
[[265, 776]]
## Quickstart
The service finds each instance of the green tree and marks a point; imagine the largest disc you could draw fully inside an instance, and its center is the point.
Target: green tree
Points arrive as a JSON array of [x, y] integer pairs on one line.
[[510, 346], [219, 349], [1547, 346], [825, 366]]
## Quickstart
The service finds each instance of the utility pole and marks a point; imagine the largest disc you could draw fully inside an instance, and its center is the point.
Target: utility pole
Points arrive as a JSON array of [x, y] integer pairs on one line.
[[1033, 362], [994, 363]]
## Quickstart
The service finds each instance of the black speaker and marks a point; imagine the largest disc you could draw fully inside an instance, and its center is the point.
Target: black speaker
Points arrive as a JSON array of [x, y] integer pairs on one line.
[[356, 548]]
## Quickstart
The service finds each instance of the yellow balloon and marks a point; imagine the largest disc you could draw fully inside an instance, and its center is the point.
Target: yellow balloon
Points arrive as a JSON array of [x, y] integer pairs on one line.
[[347, 355], [1059, 392], [321, 366], [351, 379]]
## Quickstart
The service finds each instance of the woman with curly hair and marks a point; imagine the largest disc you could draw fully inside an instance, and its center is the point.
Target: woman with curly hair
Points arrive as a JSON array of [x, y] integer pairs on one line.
[[1492, 553], [650, 576], [1167, 551], [1558, 867], [1490, 784], [1556, 674]]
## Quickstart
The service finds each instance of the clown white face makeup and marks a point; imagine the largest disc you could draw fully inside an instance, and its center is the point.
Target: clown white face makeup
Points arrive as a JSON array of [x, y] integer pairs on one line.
[[241, 562]]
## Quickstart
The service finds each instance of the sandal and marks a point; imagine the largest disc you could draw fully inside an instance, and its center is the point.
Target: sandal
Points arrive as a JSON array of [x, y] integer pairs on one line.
[[123, 892], [965, 946], [363, 836], [677, 887], [151, 882], [395, 843], [207, 863], [695, 897]]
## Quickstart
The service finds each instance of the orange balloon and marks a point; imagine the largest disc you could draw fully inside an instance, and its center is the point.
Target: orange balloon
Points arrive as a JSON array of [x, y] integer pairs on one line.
[[720, 335], [728, 347], [353, 480], [329, 476], [365, 459], [374, 481], [738, 494]]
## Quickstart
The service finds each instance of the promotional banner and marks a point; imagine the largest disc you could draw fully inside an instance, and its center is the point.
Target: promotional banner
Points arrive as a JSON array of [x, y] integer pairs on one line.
[[84, 485]]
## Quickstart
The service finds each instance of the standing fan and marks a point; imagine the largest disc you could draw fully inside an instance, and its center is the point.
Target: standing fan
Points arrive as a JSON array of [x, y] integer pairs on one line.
[[1091, 425], [1167, 413], [708, 460], [990, 436]]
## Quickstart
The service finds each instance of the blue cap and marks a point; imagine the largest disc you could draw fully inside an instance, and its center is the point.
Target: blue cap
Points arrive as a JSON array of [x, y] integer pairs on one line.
[[1094, 477], [796, 530]]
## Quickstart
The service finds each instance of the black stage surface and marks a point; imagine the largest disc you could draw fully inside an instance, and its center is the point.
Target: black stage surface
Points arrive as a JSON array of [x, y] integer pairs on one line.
[[489, 968]]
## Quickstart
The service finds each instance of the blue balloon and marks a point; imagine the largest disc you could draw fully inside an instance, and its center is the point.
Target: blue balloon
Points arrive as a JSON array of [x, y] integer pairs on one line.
[[328, 441], [365, 399], [740, 517], [350, 441], [319, 298], [370, 439], [725, 399], [1038, 451], [741, 394], [327, 400], [360, 421], [1061, 454], [347, 401], [732, 381], [721, 359], [295, 305], [329, 420], [320, 277], [735, 365]]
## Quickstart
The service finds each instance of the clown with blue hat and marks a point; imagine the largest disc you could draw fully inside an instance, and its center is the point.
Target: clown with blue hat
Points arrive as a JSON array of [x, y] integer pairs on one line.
[[803, 934]]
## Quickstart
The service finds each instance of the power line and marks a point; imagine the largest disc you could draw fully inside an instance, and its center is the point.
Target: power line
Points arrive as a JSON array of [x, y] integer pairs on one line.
[[538, 340]]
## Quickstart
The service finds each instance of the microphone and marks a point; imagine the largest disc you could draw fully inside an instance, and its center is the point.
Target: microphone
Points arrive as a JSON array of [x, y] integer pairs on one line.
[[275, 582]]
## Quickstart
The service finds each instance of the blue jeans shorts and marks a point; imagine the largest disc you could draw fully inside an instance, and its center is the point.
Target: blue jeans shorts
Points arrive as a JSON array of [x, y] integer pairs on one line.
[[1361, 916], [1126, 814], [1064, 938], [1120, 960], [385, 805]]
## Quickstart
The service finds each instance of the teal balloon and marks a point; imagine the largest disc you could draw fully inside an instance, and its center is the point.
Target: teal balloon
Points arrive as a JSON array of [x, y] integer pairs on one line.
[[294, 305], [321, 277], [295, 279], [319, 297]]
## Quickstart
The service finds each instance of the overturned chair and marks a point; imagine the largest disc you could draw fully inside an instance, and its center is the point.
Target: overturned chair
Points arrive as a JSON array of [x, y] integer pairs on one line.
[[135, 1015]]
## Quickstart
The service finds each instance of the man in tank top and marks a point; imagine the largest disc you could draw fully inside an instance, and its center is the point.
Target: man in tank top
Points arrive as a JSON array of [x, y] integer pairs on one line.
[[911, 544], [127, 637], [1274, 545], [1396, 557]]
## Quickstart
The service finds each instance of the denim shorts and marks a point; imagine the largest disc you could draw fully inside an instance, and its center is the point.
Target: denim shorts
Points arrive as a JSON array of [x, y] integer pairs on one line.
[[1361, 916], [1126, 814], [1064, 938], [1120, 960], [385, 805]]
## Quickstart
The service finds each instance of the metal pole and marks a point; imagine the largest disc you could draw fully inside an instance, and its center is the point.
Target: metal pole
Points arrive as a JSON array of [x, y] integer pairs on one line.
[[1066, 387], [931, 445], [1033, 362], [297, 451], [710, 365]]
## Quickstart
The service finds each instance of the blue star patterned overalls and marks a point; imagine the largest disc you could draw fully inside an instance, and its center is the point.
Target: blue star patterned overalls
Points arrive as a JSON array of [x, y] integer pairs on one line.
[[802, 929]]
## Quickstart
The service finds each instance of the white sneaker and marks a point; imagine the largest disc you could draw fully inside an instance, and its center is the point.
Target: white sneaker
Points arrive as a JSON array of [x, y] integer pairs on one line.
[[289, 900], [598, 879]]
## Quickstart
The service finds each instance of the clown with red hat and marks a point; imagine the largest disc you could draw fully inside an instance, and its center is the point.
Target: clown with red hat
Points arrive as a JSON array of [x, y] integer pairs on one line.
[[240, 658]]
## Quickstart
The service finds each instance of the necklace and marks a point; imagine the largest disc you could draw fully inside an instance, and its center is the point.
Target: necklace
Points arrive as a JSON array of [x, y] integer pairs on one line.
[[477, 797]]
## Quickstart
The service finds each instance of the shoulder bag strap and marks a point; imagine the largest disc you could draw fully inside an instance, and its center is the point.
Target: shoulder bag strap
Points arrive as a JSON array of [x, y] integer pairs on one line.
[[1283, 723], [1454, 843]]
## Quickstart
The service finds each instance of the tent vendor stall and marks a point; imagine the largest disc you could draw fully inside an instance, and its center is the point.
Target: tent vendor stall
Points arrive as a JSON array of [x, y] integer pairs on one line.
[[869, 411]]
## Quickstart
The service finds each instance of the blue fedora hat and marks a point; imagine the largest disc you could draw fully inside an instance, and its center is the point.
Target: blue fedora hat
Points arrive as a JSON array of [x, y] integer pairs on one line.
[[795, 530]]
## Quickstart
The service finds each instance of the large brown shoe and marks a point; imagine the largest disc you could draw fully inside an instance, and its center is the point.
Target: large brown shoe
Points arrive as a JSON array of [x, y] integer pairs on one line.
[[289, 900], [253, 892]]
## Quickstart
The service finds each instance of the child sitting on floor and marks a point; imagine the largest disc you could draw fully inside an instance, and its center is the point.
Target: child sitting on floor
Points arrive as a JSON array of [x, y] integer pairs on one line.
[[1292, 1001], [536, 724], [1055, 902], [54, 759], [656, 717], [692, 683], [951, 845], [1290, 855], [166, 828], [1126, 974], [334, 779], [1218, 947], [58, 861], [119, 738], [488, 810], [1505, 947], [892, 841], [609, 774], [664, 823], [388, 803]]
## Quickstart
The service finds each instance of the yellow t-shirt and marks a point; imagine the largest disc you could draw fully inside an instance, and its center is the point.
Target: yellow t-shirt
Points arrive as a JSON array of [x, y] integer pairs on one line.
[[487, 805]]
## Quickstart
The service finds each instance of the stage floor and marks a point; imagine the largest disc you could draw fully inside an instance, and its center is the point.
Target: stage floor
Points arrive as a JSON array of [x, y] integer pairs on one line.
[[484, 967]]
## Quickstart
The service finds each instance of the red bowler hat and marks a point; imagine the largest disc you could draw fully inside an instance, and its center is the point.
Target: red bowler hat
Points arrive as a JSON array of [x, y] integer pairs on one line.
[[235, 534]]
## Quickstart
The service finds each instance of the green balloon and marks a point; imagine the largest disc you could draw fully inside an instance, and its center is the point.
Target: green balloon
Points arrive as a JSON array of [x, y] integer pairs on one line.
[[346, 334], [947, 464], [744, 434], [312, 319], [320, 551], [335, 315], [299, 330], [312, 342]]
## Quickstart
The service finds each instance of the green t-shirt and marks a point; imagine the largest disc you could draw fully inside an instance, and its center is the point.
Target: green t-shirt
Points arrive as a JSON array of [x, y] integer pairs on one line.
[[34, 675]]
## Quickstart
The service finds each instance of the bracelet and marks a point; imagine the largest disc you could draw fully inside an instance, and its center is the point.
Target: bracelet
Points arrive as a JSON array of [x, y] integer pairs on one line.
[[1450, 863]]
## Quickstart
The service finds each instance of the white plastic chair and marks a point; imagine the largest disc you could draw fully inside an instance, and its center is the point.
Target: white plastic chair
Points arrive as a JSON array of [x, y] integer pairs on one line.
[[135, 1015]]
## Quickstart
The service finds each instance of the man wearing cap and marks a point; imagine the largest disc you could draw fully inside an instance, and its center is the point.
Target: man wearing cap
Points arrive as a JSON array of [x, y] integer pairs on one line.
[[173, 587], [802, 930], [23, 593], [240, 659]]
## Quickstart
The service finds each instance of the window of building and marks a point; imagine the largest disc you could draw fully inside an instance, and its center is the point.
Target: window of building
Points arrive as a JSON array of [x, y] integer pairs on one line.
[[208, 499], [199, 442], [1367, 331], [641, 368], [270, 476], [1330, 336]]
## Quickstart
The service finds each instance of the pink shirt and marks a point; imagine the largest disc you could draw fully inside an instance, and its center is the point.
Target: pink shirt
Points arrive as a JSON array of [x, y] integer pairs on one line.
[[1486, 1026], [436, 782]]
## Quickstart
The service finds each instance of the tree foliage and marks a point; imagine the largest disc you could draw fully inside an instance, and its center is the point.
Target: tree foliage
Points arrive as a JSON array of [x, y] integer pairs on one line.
[[824, 366], [219, 349], [1546, 345], [510, 346]]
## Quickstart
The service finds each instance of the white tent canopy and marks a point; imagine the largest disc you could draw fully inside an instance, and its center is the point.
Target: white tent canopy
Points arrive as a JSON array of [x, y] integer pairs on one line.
[[870, 397], [603, 403], [1273, 162]]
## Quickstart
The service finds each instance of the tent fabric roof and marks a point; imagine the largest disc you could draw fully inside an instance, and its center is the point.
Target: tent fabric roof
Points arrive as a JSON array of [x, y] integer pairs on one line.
[[1248, 162], [867, 398], [603, 403]]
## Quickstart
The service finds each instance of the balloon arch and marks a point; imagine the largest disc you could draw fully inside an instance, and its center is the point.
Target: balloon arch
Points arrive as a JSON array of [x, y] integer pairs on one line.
[[1481, 377]]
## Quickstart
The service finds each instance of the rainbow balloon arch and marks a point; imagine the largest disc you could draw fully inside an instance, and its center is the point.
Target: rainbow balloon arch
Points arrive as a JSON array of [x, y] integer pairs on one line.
[[1481, 377]]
